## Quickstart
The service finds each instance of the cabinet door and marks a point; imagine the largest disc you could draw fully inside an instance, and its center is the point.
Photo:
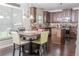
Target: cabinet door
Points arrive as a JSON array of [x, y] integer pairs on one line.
[[46, 16], [67, 13], [59, 36], [74, 16], [54, 17], [73, 33], [33, 13], [54, 36]]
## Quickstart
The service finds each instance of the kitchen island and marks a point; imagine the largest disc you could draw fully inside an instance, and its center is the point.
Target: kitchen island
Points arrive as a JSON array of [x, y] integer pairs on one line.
[[57, 35]]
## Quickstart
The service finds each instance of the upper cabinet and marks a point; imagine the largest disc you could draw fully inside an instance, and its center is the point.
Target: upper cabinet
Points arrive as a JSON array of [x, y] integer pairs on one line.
[[55, 16], [67, 15], [33, 13], [74, 16], [46, 16], [39, 15]]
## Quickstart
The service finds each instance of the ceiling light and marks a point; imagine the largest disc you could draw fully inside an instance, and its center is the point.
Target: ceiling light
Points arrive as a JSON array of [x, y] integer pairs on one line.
[[1, 17], [31, 17], [24, 17]]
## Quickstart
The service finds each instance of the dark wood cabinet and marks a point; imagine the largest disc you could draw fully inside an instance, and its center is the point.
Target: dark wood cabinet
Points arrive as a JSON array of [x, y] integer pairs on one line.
[[55, 16], [67, 13], [73, 31], [74, 16], [33, 13], [57, 36], [46, 16]]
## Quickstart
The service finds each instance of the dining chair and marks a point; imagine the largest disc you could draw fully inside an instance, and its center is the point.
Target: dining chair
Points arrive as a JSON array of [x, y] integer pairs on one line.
[[42, 41], [19, 42]]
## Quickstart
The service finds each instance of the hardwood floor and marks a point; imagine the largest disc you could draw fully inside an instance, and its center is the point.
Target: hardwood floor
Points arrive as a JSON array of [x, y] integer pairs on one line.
[[53, 49], [68, 49]]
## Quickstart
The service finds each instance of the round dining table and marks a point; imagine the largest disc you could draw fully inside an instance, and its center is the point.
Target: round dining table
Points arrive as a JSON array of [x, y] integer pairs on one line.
[[31, 35]]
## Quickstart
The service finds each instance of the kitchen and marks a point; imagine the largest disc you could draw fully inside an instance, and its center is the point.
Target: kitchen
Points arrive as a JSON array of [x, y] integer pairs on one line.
[[60, 19], [62, 23]]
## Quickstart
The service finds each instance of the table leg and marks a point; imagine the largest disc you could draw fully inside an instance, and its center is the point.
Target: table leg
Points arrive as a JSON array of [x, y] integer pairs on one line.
[[23, 50], [30, 46]]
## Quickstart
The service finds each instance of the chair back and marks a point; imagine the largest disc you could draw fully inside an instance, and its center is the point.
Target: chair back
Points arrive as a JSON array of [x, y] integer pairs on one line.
[[16, 38], [44, 37]]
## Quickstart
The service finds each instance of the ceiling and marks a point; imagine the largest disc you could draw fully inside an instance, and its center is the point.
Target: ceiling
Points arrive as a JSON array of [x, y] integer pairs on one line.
[[54, 6], [48, 6], [14, 4]]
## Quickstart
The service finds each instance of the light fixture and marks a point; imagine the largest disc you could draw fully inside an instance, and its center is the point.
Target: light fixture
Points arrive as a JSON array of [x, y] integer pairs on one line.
[[60, 3], [1, 17], [24, 17], [31, 17]]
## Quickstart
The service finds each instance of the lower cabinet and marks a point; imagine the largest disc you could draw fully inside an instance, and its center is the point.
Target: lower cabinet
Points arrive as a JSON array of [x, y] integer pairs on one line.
[[73, 33], [57, 36]]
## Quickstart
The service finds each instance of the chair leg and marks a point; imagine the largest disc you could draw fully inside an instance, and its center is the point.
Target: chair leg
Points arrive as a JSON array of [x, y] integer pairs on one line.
[[45, 49], [23, 51], [20, 50], [46, 46], [13, 49], [38, 47], [41, 50]]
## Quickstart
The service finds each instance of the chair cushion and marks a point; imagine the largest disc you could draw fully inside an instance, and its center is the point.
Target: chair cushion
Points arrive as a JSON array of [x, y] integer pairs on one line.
[[43, 39], [37, 41], [24, 42]]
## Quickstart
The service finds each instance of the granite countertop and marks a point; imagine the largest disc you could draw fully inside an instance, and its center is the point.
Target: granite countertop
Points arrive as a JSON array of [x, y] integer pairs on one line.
[[57, 27]]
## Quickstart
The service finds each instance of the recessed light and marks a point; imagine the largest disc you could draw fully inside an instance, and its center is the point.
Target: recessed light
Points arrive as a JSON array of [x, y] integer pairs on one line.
[[1, 16]]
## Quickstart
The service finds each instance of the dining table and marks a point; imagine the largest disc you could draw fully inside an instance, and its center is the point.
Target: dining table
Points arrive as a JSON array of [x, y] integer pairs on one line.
[[31, 35]]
